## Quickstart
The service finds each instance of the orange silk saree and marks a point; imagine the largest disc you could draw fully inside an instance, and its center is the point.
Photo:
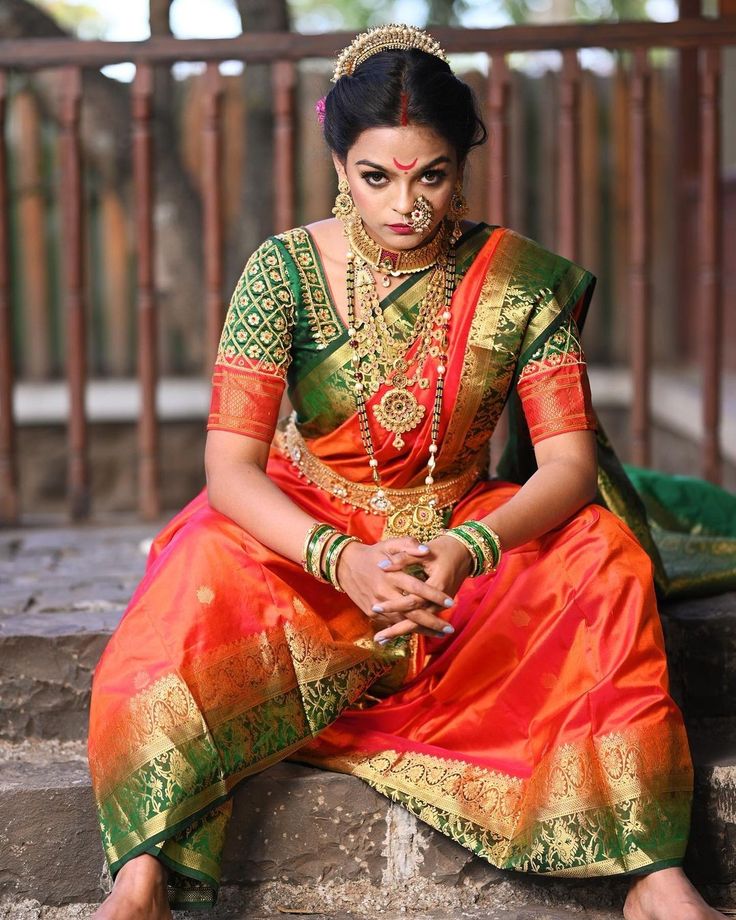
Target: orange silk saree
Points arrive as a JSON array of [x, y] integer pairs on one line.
[[541, 735]]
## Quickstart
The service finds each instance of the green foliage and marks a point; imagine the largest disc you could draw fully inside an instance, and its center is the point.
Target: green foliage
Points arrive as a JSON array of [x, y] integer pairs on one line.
[[319, 15]]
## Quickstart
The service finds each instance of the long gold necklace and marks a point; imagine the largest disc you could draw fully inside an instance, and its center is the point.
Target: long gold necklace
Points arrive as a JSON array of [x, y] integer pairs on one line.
[[386, 355], [422, 520], [389, 351]]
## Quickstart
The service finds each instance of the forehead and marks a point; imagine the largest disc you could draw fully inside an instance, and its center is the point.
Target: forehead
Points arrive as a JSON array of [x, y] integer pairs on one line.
[[404, 143]]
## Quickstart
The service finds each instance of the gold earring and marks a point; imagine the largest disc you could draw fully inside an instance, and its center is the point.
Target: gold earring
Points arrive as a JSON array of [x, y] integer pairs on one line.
[[344, 209], [458, 203]]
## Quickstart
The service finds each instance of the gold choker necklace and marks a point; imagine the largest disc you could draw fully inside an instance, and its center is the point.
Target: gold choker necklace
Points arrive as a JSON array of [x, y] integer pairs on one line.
[[391, 261]]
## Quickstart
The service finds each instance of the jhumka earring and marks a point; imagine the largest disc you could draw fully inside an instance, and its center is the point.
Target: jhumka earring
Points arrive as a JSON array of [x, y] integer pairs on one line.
[[421, 215], [344, 205], [458, 203]]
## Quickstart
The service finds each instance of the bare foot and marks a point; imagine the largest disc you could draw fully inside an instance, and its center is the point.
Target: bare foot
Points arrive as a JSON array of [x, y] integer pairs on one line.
[[139, 892], [666, 894]]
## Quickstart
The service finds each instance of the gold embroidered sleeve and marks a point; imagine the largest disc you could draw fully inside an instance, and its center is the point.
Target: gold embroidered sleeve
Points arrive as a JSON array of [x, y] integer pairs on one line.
[[255, 346]]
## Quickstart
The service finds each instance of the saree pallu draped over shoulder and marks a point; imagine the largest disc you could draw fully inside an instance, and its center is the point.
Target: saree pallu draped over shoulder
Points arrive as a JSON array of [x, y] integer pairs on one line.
[[540, 735]]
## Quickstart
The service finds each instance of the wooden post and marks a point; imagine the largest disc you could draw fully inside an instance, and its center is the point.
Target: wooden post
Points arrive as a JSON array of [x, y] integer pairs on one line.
[[569, 156], [498, 96], [640, 289], [710, 306], [212, 194], [283, 93], [148, 492], [9, 500], [74, 295], [37, 360]]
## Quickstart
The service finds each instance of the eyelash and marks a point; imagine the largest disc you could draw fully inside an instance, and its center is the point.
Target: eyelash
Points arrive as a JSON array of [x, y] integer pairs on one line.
[[437, 176]]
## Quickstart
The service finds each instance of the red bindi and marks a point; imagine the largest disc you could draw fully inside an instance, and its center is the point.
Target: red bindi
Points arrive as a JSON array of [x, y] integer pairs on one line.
[[405, 168]]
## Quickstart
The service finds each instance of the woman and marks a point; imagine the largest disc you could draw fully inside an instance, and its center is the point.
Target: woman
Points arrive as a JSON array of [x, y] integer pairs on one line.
[[486, 653]]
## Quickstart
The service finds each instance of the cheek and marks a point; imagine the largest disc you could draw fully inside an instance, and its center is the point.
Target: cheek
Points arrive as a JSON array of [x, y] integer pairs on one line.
[[366, 199], [439, 199]]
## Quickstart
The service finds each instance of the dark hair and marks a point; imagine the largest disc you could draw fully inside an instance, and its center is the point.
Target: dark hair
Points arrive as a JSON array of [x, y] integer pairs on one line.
[[372, 98]]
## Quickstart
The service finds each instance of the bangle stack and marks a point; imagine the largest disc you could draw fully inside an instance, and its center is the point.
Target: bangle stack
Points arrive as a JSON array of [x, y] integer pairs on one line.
[[483, 544], [317, 539]]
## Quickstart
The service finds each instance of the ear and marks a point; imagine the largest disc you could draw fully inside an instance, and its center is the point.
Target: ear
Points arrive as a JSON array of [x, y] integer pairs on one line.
[[339, 165]]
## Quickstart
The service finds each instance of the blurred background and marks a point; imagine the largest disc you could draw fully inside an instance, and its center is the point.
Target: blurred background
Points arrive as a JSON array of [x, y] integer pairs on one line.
[[131, 204]]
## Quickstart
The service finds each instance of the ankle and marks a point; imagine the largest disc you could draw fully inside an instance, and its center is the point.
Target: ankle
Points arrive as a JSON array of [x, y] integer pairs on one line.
[[144, 871]]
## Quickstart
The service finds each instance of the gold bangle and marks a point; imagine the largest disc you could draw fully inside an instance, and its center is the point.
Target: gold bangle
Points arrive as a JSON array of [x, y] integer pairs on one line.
[[318, 551], [490, 538], [333, 558], [307, 539]]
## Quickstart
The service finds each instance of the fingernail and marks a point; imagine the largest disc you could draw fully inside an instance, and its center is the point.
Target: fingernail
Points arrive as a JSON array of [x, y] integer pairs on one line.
[[448, 629], [449, 602], [384, 563], [423, 548], [376, 608], [383, 641]]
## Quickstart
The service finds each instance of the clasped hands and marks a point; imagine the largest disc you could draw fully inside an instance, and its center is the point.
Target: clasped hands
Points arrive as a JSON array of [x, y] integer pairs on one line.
[[374, 577]]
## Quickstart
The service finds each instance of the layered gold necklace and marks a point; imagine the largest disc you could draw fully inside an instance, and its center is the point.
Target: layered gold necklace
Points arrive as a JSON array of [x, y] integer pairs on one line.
[[377, 358]]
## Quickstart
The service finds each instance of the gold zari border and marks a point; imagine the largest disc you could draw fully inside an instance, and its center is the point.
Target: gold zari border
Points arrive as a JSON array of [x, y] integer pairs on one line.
[[632, 777]]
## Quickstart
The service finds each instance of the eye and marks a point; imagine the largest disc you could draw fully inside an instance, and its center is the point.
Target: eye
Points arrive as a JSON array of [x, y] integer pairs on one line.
[[434, 176], [373, 178]]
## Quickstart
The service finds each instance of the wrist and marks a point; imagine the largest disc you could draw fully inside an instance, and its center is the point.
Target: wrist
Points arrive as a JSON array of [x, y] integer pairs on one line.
[[482, 543], [464, 560], [347, 561], [334, 556]]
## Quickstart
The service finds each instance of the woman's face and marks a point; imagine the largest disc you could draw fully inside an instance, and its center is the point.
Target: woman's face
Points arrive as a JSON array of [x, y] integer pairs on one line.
[[388, 169]]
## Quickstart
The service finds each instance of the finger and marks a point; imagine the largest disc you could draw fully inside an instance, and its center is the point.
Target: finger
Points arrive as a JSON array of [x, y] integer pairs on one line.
[[403, 628], [380, 612], [404, 544], [398, 560], [380, 621], [416, 609], [411, 585]]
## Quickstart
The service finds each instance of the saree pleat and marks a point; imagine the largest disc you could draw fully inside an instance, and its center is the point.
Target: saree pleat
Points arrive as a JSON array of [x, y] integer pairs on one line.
[[541, 735]]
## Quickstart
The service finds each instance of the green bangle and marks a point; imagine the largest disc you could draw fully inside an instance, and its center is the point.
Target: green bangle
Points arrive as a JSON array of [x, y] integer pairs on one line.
[[315, 562], [470, 545], [318, 526], [333, 557], [490, 538], [316, 537], [480, 554]]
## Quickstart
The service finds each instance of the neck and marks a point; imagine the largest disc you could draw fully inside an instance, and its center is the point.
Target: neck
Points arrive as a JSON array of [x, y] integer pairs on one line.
[[401, 261]]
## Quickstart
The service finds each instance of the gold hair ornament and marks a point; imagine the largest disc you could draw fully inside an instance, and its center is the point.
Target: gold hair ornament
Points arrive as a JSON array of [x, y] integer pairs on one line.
[[393, 37]]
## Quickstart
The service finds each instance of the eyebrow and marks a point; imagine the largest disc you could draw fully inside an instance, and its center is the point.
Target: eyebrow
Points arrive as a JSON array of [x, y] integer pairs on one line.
[[435, 162]]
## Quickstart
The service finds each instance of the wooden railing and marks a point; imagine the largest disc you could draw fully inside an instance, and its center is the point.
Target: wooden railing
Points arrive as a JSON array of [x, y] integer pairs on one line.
[[702, 37]]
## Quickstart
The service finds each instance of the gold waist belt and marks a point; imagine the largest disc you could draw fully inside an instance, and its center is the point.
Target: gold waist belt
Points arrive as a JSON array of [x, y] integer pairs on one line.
[[443, 492]]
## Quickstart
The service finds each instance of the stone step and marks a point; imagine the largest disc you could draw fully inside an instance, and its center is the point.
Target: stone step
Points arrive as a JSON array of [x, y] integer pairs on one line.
[[701, 648], [64, 590], [316, 841], [234, 907]]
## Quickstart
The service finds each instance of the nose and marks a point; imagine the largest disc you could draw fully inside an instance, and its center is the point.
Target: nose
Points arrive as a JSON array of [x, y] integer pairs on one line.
[[405, 201]]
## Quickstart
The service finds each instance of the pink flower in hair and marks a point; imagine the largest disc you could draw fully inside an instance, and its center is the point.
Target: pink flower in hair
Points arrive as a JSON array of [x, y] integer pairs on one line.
[[319, 108]]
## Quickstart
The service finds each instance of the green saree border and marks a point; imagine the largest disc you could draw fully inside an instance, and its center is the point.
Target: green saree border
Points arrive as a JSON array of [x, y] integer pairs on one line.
[[304, 710]]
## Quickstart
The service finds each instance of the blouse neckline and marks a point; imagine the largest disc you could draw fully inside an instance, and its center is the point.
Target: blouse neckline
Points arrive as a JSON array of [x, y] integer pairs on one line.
[[393, 295]]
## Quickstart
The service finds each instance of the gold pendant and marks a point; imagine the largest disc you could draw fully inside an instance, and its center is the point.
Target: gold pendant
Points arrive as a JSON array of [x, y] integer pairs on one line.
[[423, 522], [398, 412]]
